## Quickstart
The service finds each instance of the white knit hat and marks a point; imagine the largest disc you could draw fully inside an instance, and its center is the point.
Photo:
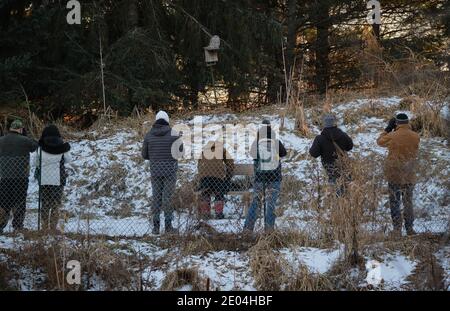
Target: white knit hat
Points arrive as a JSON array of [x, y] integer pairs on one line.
[[162, 115]]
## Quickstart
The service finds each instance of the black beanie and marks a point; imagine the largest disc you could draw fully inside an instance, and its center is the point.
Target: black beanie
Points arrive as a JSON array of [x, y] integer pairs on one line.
[[402, 118]]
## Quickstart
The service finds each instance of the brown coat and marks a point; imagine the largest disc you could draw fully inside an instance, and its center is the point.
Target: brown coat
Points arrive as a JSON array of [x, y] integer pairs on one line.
[[221, 166], [401, 162]]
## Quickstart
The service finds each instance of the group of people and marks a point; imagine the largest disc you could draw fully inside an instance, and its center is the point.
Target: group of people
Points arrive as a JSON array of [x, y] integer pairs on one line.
[[52, 153], [215, 171]]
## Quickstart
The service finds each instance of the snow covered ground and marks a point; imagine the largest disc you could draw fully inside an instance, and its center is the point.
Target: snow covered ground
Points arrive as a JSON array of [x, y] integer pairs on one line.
[[109, 192]]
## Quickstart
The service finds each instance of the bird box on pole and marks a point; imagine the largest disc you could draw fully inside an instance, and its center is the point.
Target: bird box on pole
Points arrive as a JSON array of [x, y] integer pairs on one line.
[[212, 51]]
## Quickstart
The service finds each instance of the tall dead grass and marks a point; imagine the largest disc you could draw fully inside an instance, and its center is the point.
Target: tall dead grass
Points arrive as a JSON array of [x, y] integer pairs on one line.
[[184, 276], [101, 266], [268, 268], [427, 113], [304, 280]]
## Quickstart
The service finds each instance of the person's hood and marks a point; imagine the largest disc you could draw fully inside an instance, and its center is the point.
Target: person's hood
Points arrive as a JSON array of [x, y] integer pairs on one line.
[[332, 133], [160, 129], [54, 145], [50, 130]]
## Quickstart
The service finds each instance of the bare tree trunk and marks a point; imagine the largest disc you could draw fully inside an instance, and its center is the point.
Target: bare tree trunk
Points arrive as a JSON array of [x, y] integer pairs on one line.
[[133, 14], [102, 73], [323, 24], [291, 35]]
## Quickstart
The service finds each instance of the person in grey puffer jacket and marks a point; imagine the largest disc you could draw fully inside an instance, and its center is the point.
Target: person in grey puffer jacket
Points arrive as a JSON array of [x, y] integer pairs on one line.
[[163, 151]]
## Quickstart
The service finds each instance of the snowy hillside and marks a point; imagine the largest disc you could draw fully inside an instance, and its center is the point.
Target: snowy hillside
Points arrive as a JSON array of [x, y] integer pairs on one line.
[[109, 193]]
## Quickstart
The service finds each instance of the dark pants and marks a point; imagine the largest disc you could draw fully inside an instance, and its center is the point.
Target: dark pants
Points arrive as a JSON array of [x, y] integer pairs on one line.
[[163, 188], [51, 198], [13, 197], [398, 193], [337, 178], [213, 186]]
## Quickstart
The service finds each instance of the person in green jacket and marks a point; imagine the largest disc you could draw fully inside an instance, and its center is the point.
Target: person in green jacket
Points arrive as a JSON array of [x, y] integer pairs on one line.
[[15, 149]]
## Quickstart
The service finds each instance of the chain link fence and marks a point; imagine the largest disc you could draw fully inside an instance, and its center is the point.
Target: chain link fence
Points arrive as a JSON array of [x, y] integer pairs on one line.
[[204, 197]]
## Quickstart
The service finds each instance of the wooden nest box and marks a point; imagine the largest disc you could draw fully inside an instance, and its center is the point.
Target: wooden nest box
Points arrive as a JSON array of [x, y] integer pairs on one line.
[[212, 51]]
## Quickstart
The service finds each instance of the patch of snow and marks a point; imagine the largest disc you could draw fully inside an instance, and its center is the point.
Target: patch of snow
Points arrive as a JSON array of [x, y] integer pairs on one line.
[[391, 272], [315, 259]]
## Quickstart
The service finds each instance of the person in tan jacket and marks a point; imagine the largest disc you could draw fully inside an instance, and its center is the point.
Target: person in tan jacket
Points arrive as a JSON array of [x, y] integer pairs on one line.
[[215, 169], [400, 169]]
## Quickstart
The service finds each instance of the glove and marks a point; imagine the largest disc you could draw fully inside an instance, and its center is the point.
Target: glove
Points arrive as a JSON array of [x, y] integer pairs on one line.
[[391, 126]]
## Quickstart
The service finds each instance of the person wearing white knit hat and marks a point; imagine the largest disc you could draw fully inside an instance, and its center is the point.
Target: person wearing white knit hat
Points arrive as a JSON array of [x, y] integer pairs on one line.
[[157, 149], [162, 115]]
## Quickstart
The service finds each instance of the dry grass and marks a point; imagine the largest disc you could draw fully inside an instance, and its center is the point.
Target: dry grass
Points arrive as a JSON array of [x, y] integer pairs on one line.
[[5, 276], [427, 118], [342, 218], [99, 264], [371, 109], [304, 280], [268, 268], [184, 276]]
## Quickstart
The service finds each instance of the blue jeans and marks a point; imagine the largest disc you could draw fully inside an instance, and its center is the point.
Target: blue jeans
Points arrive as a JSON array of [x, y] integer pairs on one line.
[[272, 192]]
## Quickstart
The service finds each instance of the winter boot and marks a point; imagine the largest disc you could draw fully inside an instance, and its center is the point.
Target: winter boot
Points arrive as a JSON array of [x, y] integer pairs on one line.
[[168, 227], [156, 225], [410, 231], [204, 209], [3, 219], [218, 207]]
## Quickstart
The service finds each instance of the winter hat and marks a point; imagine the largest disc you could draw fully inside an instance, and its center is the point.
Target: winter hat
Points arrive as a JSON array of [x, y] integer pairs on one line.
[[16, 125], [162, 115], [329, 120], [402, 118], [52, 142]]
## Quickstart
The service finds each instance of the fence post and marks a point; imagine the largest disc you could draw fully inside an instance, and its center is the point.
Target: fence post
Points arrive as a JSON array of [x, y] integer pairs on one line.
[[39, 188], [264, 204]]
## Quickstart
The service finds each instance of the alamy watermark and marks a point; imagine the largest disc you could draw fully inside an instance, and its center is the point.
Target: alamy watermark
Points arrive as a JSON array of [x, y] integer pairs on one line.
[[74, 275], [74, 15], [209, 141], [374, 15]]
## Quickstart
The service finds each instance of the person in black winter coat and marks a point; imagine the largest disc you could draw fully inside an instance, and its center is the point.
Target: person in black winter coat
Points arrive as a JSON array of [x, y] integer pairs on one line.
[[15, 152], [52, 156], [324, 147]]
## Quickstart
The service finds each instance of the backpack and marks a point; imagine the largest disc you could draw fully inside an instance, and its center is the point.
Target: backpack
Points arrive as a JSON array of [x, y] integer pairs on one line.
[[62, 171], [343, 161], [268, 156]]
